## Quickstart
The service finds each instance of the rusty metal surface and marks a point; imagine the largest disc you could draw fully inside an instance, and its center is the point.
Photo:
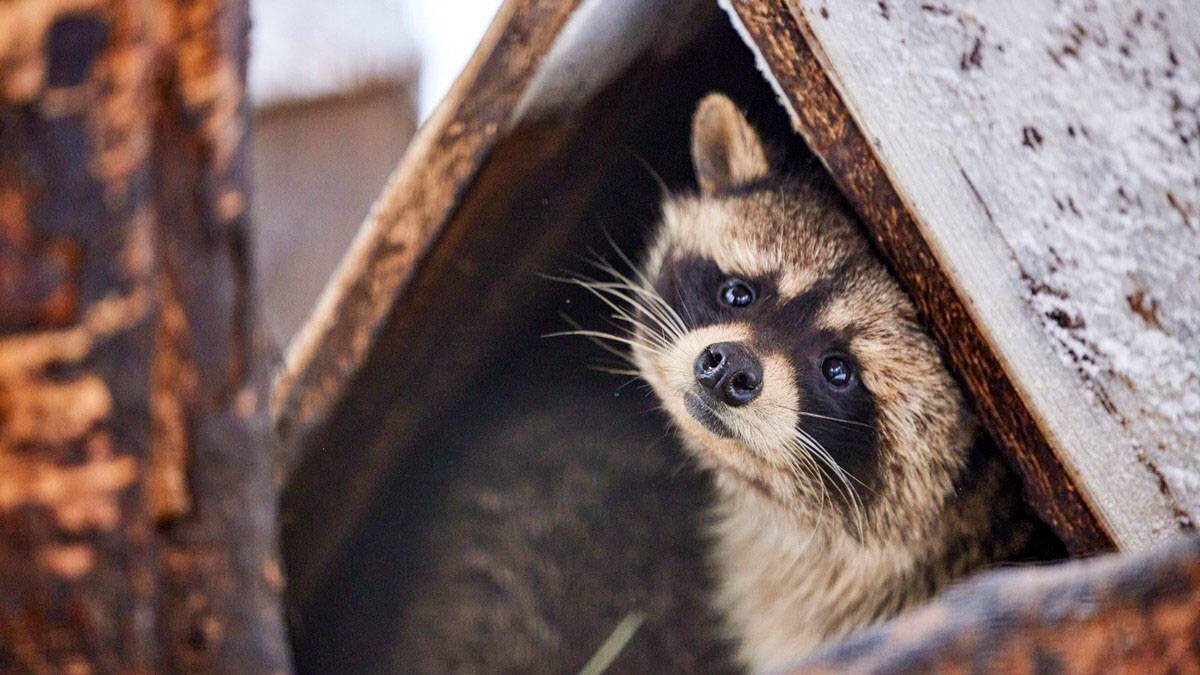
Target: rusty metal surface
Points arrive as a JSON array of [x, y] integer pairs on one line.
[[136, 501], [1118, 613]]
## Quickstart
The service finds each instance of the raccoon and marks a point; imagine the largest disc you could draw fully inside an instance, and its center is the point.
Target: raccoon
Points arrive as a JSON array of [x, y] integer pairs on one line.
[[851, 477]]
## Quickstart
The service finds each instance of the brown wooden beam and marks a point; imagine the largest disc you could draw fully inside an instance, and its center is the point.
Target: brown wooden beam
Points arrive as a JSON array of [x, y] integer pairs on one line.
[[137, 508], [782, 38], [340, 380], [1120, 613]]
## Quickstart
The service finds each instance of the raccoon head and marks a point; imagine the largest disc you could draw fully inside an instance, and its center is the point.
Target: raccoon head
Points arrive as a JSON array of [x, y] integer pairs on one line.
[[788, 357]]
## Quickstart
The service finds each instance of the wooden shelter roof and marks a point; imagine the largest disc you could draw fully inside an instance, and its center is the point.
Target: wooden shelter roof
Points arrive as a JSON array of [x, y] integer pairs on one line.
[[966, 140]]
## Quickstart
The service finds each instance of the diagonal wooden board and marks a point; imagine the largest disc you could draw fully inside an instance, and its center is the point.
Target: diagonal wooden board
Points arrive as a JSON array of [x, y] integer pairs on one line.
[[498, 185], [326, 389], [443, 158], [1082, 465]]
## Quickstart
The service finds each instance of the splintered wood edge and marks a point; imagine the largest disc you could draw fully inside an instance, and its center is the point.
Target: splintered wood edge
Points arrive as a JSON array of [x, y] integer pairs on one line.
[[790, 59], [419, 199]]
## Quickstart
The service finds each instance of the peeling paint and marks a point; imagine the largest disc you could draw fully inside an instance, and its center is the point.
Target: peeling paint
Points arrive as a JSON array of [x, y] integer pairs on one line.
[[25, 354], [71, 562], [81, 497], [173, 386]]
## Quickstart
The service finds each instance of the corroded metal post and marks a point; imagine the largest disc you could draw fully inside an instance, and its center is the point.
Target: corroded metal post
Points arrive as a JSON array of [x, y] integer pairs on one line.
[[137, 507]]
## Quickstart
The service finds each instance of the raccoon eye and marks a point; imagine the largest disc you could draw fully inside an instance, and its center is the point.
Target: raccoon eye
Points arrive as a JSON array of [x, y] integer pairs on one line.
[[837, 371], [736, 293]]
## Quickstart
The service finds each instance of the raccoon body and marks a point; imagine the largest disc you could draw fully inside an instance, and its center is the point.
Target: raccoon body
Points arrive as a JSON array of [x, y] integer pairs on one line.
[[851, 477]]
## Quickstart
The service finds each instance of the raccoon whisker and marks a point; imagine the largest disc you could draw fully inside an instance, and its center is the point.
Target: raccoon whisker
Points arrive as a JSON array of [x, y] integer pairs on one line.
[[815, 452], [642, 286], [809, 478], [802, 467], [599, 288], [843, 479], [839, 420], [660, 332], [646, 290], [663, 190], [659, 308], [688, 312], [650, 333], [665, 307], [623, 356], [628, 372], [628, 263], [842, 476], [653, 334], [606, 336]]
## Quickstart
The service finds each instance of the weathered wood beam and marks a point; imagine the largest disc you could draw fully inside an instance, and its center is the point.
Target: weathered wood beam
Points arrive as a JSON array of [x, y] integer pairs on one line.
[[137, 507], [780, 35], [329, 405], [1133, 613]]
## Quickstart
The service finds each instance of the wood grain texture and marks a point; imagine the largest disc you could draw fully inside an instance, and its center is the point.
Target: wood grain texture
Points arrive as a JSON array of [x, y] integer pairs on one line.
[[1131, 613], [137, 510], [419, 199], [782, 39], [1049, 152]]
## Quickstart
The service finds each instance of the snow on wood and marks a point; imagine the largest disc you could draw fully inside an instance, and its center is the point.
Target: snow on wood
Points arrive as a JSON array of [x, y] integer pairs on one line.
[[1051, 151]]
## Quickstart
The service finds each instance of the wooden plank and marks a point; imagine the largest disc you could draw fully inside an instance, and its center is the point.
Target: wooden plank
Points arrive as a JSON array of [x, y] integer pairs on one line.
[[1051, 152], [782, 41], [137, 506], [1131, 613], [339, 380], [442, 159]]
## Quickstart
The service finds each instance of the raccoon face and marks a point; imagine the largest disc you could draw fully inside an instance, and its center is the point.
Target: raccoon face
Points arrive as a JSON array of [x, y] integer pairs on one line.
[[783, 350]]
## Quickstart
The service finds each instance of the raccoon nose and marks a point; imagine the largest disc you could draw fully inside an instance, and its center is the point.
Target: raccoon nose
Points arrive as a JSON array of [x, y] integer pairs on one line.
[[729, 371]]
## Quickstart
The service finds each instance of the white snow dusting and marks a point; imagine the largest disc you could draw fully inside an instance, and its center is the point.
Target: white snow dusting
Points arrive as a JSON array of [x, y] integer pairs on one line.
[[1097, 195]]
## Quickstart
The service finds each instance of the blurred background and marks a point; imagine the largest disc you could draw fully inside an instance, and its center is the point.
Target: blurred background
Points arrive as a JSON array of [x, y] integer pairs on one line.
[[338, 90]]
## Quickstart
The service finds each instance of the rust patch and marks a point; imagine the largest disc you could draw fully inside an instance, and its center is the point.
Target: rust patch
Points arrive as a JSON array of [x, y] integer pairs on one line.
[[28, 354], [37, 411], [209, 83], [80, 497], [117, 122], [37, 277], [173, 387], [70, 562], [24, 27]]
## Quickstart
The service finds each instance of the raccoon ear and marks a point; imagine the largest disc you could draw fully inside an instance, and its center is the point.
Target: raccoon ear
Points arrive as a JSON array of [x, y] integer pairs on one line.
[[726, 151]]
